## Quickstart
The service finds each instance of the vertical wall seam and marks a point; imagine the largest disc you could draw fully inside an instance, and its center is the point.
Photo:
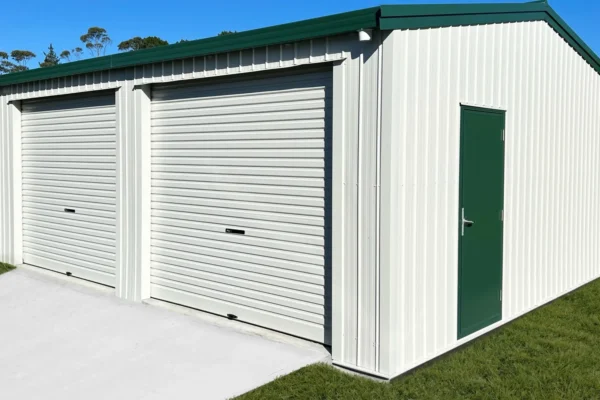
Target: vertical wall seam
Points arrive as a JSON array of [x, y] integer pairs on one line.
[[358, 208], [378, 209]]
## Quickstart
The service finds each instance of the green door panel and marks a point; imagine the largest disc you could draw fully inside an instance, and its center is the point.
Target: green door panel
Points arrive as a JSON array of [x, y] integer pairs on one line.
[[480, 219]]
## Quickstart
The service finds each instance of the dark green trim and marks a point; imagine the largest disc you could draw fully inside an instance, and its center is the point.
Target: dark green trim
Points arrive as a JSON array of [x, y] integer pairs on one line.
[[449, 10], [443, 21], [565, 31], [386, 17]]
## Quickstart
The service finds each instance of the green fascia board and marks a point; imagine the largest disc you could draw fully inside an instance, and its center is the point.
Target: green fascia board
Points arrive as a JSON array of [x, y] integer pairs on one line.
[[387, 17], [446, 15], [295, 31], [572, 38], [449, 10], [434, 21]]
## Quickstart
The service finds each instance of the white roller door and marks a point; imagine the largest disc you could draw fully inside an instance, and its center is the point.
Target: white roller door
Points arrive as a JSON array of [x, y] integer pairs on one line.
[[69, 185], [239, 200]]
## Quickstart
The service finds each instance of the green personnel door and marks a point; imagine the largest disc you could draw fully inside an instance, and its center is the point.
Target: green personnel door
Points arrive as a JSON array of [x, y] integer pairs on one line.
[[480, 219]]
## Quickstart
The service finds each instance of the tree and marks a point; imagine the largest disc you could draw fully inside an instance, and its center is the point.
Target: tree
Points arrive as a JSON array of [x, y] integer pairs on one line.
[[65, 55], [51, 59], [138, 43], [22, 57], [224, 33], [76, 53], [19, 63], [5, 65], [96, 40]]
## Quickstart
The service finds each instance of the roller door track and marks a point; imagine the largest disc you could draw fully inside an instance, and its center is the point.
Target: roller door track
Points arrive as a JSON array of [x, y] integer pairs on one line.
[[69, 185], [240, 202]]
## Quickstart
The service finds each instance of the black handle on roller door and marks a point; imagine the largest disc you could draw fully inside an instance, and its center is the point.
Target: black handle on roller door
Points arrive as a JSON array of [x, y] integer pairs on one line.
[[70, 210]]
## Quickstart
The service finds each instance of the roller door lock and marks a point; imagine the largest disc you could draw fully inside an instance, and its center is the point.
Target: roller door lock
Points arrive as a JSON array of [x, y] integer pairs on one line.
[[235, 231]]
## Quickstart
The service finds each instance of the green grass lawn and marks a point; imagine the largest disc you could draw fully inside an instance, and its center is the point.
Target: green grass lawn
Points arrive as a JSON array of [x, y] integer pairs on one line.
[[5, 268], [551, 353]]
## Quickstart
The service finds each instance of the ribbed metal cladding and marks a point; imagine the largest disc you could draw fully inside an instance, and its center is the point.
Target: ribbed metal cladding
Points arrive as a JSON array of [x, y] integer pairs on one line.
[[69, 190], [257, 59], [239, 199], [6, 253], [552, 222]]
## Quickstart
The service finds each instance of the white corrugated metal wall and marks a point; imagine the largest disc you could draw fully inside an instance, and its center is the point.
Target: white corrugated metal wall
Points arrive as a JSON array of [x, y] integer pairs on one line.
[[552, 222], [355, 257], [356, 67]]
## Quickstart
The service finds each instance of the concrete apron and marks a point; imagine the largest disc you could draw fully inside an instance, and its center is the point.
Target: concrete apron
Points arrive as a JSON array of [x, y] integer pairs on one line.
[[61, 338]]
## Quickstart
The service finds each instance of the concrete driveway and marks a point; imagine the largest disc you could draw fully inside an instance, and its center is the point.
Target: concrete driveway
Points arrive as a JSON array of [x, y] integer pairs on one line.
[[63, 340]]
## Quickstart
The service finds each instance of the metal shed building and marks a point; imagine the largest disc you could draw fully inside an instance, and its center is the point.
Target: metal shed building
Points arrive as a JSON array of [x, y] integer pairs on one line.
[[393, 193]]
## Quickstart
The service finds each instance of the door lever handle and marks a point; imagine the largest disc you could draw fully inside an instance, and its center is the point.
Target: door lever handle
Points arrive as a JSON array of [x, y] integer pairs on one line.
[[464, 222]]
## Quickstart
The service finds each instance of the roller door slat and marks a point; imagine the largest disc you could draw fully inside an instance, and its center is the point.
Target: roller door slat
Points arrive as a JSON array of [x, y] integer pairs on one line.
[[188, 260], [231, 170], [172, 139], [311, 240], [159, 200], [67, 239]]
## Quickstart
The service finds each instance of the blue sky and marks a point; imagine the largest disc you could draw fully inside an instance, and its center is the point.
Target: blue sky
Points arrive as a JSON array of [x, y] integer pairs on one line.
[[33, 24]]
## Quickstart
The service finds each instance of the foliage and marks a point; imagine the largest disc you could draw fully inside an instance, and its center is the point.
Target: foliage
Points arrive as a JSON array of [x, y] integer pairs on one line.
[[18, 63], [76, 53], [138, 43], [96, 40], [551, 353], [65, 55], [51, 59], [21, 57]]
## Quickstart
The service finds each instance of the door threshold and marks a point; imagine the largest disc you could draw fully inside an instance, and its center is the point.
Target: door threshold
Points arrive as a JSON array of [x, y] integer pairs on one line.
[[242, 327], [61, 277]]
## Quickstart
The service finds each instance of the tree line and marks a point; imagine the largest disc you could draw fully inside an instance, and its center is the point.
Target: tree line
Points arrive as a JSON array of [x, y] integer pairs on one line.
[[96, 41]]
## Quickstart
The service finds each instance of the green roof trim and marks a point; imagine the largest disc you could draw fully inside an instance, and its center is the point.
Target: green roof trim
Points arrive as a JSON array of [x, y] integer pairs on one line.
[[385, 17]]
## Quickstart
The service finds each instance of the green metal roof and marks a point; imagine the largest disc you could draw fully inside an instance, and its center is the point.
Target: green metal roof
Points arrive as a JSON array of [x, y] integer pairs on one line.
[[386, 17]]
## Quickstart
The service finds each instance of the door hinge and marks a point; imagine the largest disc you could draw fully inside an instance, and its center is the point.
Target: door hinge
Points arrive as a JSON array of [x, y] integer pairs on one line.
[[500, 294], [502, 215], [502, 134]]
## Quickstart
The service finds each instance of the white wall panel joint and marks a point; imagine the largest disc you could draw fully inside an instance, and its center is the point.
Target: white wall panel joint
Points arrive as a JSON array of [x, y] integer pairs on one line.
[[14, 125]]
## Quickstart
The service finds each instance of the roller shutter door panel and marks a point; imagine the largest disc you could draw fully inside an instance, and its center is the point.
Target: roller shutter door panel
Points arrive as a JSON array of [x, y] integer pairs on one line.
[[251, 157], [69, 185]]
